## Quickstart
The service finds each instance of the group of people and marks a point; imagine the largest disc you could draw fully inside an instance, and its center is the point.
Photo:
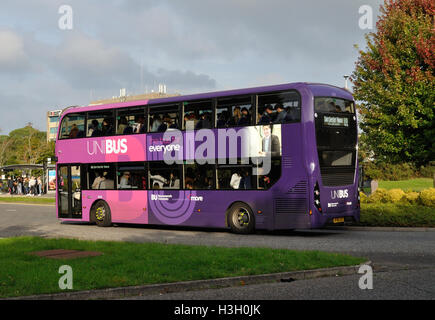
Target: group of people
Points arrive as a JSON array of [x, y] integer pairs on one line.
[[160, 123], [277, 114], [240, 117], [97, 130], [201, 121], [26, 186]]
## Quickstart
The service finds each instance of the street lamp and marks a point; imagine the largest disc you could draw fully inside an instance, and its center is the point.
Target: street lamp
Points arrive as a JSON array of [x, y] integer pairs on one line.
[[345, 80]]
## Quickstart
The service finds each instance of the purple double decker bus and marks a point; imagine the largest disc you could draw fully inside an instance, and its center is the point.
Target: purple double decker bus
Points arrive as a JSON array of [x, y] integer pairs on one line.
[[273, 157]]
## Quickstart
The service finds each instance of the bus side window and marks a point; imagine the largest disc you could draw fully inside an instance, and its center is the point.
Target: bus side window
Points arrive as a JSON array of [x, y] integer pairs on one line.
[[280, 107], [100, 124], [234, 112], [198, 115], [101, 176], [131, 120]]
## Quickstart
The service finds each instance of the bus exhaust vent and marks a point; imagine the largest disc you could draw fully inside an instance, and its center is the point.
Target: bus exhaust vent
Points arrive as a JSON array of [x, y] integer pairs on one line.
[[290, 206], [299, 188], [287, 162], [333, 177]]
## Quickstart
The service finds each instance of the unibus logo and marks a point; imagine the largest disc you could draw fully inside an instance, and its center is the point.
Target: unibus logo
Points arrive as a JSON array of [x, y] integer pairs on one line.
[[110, 146], [340, 194]]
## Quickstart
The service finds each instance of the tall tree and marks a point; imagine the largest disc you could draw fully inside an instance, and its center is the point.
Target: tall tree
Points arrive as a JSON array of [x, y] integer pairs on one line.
[[394, 80]]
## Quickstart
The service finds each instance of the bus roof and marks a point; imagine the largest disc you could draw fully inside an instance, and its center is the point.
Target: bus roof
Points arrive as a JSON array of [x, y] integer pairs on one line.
[[318, 89]]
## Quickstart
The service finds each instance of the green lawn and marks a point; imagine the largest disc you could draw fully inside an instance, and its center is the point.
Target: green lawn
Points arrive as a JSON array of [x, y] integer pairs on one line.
[[417, 184], [32, 200], [396, 215], [128, 264]]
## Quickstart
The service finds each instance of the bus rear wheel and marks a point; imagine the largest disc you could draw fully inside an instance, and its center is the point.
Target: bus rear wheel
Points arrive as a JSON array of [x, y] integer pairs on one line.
[[101, 214], [240, 219]]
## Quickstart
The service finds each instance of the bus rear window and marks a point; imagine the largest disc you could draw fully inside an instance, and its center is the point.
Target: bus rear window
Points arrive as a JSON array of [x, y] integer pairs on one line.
[[333, 105]]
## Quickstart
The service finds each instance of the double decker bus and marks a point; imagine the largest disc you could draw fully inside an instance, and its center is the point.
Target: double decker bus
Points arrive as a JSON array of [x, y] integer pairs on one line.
[[271, 157]]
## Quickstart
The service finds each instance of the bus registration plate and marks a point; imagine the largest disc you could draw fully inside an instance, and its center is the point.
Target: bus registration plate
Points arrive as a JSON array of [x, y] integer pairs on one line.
[[338, 220]]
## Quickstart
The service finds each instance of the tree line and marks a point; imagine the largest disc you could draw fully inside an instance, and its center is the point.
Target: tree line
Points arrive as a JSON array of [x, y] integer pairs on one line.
[[25, 146]]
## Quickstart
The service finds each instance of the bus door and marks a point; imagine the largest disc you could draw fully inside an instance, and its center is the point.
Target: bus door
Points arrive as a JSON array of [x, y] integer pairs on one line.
[[69, 191]]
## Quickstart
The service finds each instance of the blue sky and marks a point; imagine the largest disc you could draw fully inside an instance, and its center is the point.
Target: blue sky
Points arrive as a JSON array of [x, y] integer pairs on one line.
[[191, 46]]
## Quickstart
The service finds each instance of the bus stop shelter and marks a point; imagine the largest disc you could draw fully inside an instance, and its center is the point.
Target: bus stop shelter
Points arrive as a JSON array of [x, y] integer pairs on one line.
[[49, 173]]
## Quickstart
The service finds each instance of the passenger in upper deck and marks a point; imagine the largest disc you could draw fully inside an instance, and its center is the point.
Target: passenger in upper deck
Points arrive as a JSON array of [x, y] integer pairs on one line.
[[281, 114]]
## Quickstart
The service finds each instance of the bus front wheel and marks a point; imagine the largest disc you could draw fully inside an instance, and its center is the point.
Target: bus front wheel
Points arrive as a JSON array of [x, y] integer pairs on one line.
[[101, 214], [241, 219]]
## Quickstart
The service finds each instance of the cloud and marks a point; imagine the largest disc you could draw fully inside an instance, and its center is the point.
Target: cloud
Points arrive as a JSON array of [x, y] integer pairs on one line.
[[12, 54]]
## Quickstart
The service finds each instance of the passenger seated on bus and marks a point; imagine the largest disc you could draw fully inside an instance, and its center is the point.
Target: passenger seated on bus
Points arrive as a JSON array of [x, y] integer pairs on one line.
[[140, 125], [281, 114], [122, 125], [266, 117], [237, 115], [74, 131], [337, 108], [174, 182], [222, 119], [245, 182], [235, 180], [245, 119], [156, 186], [97, 180], [320, 106], [94, 130], [332, 107], [106, 183], [106, 128], [157, 178], [156, 122], [189, 185], [124, 182], [162, 127], [203, 123]]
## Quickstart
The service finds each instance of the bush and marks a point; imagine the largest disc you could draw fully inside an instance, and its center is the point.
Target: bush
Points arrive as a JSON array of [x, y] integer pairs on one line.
[[427, 197], [396, 215], [395, 195], [389, 172], [411, 197], [380, 195], [427, 172], [362, 197]]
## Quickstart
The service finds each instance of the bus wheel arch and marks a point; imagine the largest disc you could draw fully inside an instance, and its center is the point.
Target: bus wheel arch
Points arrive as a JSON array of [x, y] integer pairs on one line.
[[240, 218], [100, 213]]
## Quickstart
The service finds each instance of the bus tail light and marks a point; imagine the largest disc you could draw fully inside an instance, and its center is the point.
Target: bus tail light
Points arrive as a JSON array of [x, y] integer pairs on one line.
[[317, 197]]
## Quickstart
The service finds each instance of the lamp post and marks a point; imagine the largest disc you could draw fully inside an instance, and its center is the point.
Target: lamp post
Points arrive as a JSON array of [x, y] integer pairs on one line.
[[345, 81]]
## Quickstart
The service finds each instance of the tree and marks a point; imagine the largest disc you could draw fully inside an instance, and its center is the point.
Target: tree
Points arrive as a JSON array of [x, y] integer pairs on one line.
[[394, 80]]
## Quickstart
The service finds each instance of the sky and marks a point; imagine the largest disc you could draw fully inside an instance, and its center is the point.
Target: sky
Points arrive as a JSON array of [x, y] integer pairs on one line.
[[192, 46]]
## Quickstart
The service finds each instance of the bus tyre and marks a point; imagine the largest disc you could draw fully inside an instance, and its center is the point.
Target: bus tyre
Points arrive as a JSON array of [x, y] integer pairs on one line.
[[241, 219], [101, 214]]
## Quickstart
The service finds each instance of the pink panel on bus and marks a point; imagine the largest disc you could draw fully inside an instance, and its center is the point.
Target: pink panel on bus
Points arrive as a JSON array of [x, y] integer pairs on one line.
[[125, 206], [102, 149]]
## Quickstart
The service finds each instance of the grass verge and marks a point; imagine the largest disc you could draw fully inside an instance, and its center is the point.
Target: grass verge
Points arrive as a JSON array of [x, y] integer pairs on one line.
[[417, 184], [128, 264], [396, 215], [31, 200]]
